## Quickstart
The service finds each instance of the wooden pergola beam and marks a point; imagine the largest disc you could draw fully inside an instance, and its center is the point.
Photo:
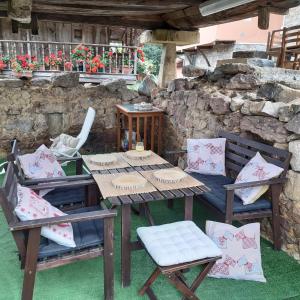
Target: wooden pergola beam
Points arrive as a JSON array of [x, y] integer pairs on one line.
[[20, 10]]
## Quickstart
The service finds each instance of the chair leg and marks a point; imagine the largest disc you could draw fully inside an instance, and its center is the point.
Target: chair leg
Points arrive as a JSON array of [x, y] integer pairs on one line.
[[229, 206], [149, 281], [276, 190], [31, 263], [181, 287], [108, 258]]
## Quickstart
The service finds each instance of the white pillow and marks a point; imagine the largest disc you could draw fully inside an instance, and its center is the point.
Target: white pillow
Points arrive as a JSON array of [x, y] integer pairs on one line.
[[32, 206], [241, 251], [41, 164], [206, 156], [65, 143], [256, 169]]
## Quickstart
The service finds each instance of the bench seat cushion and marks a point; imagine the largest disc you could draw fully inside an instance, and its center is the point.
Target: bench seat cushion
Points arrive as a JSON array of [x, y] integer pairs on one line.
[[217, 194], [87, 234], [66, 196], [177, 243]]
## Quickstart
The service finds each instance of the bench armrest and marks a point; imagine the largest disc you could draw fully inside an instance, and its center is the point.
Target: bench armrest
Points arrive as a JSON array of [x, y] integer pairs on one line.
[[86, 216], [236, 186], [68, 184], [56, 179]]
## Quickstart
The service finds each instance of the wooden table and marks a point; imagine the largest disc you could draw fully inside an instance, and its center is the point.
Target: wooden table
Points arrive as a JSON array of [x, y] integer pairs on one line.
[[152, 117], [125, 202]]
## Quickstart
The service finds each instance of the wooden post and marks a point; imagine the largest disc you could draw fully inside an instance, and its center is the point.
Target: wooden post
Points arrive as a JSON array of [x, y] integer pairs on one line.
[[263, 18], [167, 70]]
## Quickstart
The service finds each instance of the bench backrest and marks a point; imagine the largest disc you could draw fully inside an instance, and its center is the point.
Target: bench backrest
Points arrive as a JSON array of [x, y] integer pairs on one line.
[[240, 150], [8, 202]]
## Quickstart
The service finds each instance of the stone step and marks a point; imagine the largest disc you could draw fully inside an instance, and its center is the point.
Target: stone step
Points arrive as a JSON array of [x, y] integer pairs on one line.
[[249, 54], [259, 62]]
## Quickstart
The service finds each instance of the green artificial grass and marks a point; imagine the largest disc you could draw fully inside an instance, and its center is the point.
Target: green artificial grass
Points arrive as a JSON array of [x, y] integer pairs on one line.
[[84, 280]]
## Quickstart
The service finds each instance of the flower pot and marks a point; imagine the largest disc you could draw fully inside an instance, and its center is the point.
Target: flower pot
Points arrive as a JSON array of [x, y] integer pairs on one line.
[[23, 74], [54, 68], [127, 70]]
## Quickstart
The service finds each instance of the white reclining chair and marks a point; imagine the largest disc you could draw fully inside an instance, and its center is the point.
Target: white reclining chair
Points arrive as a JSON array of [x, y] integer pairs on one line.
[[82, 137]]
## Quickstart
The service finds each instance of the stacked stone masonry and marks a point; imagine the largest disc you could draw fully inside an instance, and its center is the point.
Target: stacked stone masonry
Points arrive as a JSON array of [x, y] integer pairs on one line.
[[36, 110], [260, 103]]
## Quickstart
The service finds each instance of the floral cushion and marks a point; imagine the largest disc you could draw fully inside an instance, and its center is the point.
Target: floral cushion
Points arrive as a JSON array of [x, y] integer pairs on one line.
[[241, 251], [256, 169], [206, 156], [64, 143], [32, 206], [40, 164]]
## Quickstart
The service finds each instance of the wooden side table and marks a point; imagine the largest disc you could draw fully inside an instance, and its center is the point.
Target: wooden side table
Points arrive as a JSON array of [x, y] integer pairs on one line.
[[140, 122]]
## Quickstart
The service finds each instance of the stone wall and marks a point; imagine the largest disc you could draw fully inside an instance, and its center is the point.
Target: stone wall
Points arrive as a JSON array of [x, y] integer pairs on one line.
[[259, 103], [36, 110]]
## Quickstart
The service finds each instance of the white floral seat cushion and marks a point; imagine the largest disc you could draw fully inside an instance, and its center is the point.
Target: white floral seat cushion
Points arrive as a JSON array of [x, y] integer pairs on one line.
[[177, 243]]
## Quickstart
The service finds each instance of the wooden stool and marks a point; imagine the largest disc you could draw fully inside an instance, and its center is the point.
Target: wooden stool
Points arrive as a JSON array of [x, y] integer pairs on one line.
[[175, 247]]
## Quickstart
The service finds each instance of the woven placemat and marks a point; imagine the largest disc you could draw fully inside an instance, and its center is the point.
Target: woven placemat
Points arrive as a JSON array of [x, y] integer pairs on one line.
[[186, 182], [154, 159], [121, 163], [104, 182]]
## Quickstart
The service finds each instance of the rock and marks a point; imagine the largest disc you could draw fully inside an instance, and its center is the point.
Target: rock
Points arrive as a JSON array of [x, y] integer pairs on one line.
[[294, 148], [11, 82], [249, 54], [235, 68], [293, 137], [147, 85], [216, 75], [292, 187], [39, 81], [271, 108], [193, 71], [220, 104], [114, 85], [236, 103], [127, 95], [278, 92], [288, 111], [179, 84], [242, 82], [252, 107], [294, 124], [283, 146], [269, 129], [66, 80]]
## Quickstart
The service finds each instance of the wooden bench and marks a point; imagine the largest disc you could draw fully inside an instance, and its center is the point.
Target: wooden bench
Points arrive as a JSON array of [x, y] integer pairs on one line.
[[97, 225], [221, 197]]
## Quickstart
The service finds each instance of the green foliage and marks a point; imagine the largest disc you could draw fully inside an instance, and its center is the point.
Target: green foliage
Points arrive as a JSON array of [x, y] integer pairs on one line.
[[152, 56]]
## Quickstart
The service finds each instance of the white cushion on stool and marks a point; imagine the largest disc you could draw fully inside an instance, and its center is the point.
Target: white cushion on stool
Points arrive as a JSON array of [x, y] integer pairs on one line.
[[177, 243]]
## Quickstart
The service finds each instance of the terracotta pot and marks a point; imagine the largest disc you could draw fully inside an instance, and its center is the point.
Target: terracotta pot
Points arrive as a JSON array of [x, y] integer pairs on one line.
[[24, 74], [127, 70]]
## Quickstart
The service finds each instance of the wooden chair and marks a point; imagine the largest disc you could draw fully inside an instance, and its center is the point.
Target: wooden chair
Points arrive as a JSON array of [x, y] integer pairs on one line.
[[81, 194], [37, 253], [290, 48], [156, 249], [274, 44], [221, 198]]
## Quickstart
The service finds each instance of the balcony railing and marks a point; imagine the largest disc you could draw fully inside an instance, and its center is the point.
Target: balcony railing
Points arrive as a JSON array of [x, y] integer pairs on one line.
[[115, 60]]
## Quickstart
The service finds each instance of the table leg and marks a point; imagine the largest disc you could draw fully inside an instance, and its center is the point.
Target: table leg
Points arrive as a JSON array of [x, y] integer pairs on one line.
[[126, 247], [188, 209], [118, 131], [129, 133]]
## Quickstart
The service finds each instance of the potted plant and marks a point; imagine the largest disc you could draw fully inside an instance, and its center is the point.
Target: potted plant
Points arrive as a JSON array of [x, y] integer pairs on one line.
[[80, 54], [127, 64], [68, 66], [23, 65], [4, 61], [53, 62], [94, 64]]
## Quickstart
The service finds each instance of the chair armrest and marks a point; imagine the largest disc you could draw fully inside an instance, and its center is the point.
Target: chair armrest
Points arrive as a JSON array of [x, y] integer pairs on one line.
[[174, 152], [56, 179], [254, 183], [86, 216], [65, 159], [68, 184]]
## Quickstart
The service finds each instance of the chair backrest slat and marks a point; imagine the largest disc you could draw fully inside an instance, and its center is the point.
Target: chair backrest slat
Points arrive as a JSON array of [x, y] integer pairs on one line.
[[240, 150]]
